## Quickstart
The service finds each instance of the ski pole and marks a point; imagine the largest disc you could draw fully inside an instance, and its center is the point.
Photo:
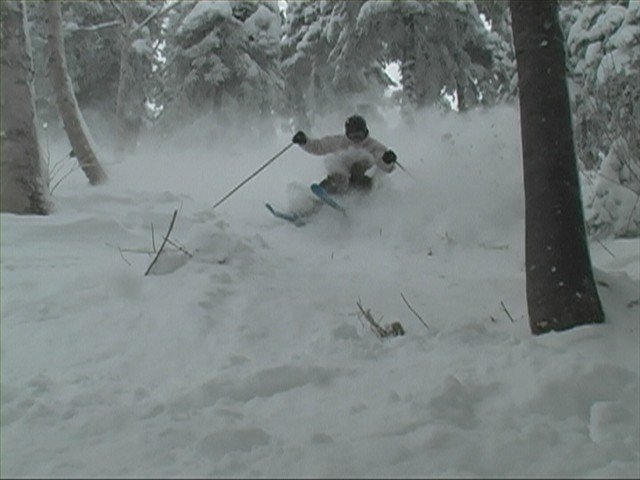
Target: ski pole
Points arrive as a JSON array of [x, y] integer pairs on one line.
[[404, 169], [253, 174]]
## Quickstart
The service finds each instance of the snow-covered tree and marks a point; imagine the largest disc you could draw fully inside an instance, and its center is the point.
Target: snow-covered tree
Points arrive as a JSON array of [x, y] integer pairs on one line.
[[334, 54], [91, 35], [304, 52], [358, 65], [109, 48], [139, 33], [603, 41], [23, 173], [327, 66], [223, 53], [74, 124], [497, 15], [442, 48]]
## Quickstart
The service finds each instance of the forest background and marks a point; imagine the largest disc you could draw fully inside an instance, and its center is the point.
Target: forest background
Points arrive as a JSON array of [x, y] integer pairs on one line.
[[244, 351], [149, 66]]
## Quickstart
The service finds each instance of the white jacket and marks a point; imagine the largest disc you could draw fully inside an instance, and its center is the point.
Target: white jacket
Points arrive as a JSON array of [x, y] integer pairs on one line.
[[348, 152]]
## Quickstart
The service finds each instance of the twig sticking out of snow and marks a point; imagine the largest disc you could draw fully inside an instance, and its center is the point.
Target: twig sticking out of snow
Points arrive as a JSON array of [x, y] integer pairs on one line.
[[413, 311], [164, 242], [154, 251], [605, 247], [153, 238], [123, 257], [507, 312], [393, 330]]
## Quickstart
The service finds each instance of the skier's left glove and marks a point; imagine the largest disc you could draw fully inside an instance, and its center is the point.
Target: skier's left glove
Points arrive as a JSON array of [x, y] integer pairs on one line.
[[300, 138], [389, 157]]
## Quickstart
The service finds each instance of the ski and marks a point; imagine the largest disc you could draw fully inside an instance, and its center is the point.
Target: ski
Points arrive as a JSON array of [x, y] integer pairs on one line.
[[322, 194], [297, 220]]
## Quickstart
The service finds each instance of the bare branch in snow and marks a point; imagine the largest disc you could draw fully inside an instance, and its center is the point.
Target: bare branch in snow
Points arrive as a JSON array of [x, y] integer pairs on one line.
[[166, 238], [71, 27], [393, 330], [507, 312], [413, 311]]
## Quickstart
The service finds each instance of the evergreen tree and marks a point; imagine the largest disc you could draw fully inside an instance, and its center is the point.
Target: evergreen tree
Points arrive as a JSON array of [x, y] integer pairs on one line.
[[110, 47], [139, 34], [443, 48], [91, 39], [328, 68], [74, 123], [305, 50], [497, 14], [222, 54], [604, 57]]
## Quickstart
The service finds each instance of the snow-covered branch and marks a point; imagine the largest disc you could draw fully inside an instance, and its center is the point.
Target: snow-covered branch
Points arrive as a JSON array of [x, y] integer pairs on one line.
[[74, 27], [159, 12]]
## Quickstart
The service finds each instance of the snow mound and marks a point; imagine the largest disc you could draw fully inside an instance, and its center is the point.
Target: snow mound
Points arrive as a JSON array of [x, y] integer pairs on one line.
[[244, 355]]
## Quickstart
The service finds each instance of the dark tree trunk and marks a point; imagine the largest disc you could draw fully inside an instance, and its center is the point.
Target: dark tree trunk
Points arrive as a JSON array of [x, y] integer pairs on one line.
[[561, 291]]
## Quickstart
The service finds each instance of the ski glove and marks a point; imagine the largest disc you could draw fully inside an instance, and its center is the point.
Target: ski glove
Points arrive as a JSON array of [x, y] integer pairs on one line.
[[389, 157], [300, 138]]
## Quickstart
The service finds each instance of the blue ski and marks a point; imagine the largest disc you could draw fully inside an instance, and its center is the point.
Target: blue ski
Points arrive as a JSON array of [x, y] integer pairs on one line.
[[322, 194], [297, 220]]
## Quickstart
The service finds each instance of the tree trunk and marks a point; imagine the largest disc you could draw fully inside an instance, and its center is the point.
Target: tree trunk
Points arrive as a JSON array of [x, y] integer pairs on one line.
[[130, 99], [561, 291], [24, 187], [408, 64], [74, 124]]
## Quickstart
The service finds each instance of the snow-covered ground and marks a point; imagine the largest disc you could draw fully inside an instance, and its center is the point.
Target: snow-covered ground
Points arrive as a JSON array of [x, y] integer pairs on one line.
[[249, 359]]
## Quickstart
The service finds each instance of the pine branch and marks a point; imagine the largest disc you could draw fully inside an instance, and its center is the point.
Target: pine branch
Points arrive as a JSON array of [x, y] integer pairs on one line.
[[160, 11], [119, 10], [92, 28]]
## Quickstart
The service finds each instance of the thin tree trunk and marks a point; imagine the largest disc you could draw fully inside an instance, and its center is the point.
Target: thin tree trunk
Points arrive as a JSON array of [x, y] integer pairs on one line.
[[561, 291], [128, 101], [74, 124], [24, 185]]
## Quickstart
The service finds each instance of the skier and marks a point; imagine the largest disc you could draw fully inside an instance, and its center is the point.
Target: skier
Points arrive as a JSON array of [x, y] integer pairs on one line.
[[356, 152]]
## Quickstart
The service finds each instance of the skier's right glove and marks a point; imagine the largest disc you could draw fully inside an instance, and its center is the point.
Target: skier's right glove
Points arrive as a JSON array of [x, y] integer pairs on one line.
[[389, 157], [300, 138]]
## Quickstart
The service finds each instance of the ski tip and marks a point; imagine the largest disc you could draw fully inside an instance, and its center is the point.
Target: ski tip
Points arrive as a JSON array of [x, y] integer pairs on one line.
[[297, 220]]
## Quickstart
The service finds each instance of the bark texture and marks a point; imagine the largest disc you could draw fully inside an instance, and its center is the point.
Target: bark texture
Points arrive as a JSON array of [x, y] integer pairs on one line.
[[130, 98], [24, 185], [561, 292], [74, 124]]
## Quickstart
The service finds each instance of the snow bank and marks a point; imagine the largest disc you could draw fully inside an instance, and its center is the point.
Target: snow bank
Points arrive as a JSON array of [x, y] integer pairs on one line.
[[248, 359]]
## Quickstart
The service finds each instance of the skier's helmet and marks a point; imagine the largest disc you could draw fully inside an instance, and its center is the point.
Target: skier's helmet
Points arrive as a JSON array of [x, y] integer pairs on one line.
[[356, 128]]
